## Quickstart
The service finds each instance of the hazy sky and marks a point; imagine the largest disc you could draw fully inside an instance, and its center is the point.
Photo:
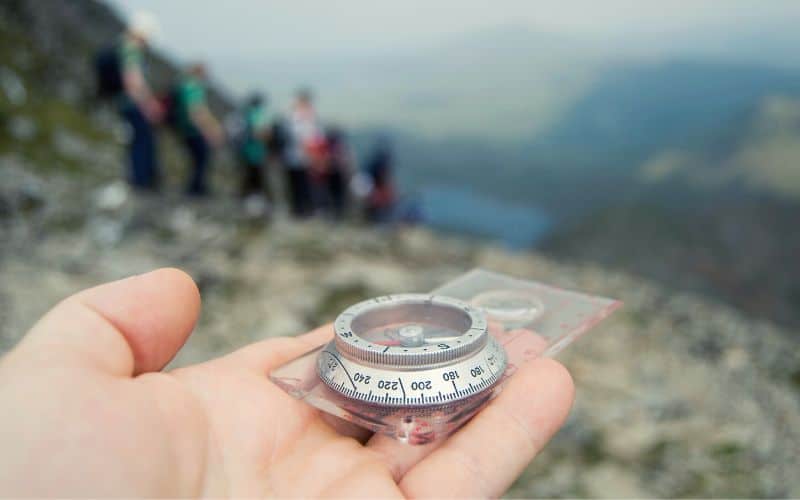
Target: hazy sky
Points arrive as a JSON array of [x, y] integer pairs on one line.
[[288, 28], [332, 45]]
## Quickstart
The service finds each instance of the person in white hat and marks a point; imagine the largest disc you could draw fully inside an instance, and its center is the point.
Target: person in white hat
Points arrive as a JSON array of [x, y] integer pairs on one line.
[[139, 106]]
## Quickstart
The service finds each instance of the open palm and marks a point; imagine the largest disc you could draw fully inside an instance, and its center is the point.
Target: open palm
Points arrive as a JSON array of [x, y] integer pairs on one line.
[[88, 412]]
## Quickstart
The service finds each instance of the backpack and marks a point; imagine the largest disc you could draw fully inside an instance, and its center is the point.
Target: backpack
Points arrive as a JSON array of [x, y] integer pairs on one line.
[[108, 72]]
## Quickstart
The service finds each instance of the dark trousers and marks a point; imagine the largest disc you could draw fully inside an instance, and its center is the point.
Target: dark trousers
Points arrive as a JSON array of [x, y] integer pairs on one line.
[[199, 154], [254, 180], [143, 169], [337, 185], [299, 192]]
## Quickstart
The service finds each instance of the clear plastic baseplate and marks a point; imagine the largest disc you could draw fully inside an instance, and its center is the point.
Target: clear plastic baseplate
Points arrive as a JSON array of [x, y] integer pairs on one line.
[[527, 318]]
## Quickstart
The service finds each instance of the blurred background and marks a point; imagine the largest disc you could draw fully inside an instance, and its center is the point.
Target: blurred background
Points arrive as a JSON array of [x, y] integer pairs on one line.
[[644, 151]]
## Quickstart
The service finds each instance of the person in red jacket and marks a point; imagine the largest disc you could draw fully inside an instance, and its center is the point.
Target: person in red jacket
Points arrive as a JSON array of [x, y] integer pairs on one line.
[[380, 202]]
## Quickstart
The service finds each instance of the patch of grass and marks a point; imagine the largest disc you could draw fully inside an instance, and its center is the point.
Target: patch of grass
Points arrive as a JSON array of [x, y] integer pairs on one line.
[[338, 300], [49, 116], [66, 221], [726, 450], [694, 485], [42, 107], [593, 448], [657, 454], [794, 378], [636, 318], [310, 249]]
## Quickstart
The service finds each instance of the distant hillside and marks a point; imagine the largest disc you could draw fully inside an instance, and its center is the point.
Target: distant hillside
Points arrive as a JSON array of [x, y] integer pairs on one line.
[[593, 155], [716, 213], [635, 110], [758, 151], [743, 251]]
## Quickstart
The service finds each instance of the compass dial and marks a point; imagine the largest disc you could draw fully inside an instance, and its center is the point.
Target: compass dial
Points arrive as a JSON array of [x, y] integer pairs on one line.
[[411, 350]]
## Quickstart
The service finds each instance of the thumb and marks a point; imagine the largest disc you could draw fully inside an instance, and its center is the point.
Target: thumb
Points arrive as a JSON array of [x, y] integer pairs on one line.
[[126, 327]]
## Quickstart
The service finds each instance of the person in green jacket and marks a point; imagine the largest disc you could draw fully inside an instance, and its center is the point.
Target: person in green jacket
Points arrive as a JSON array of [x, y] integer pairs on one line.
[[137, 104], [253, 147], [197, 126]]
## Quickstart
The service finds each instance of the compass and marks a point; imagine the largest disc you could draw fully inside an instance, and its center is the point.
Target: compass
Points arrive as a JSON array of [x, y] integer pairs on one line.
[[411, 351]]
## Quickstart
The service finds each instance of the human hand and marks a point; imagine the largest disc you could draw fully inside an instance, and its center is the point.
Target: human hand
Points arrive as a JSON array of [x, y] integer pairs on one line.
[[87, 412], [215, 136], [153, 110]]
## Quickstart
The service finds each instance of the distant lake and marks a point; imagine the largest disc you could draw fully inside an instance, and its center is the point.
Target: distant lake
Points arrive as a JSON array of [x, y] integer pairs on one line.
[[463, 211]]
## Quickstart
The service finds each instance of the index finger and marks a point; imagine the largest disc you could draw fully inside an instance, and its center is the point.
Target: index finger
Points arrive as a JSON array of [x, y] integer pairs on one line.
[[269, 354]]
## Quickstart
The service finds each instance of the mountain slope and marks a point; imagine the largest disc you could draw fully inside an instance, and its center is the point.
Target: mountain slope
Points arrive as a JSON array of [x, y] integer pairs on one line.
[[593, 156], [759, 151], [640, 109], [718, 217], [743, 251], [678, 395]]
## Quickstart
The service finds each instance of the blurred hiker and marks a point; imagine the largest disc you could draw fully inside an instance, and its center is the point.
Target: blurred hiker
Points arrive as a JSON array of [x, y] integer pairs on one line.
[[251, 145], [252, 152], [318, 153], [381, 197], [197, 126], [340, 163], [304, 136], [278, 141], [120, 75]]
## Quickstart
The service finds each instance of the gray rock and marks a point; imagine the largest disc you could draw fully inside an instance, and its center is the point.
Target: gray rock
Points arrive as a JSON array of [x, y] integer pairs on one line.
[[112, 197], [22, 128], [70, 145], [12, 86]]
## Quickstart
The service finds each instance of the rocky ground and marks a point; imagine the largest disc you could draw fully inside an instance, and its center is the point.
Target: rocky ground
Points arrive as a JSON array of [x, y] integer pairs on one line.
[[677, 395]]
